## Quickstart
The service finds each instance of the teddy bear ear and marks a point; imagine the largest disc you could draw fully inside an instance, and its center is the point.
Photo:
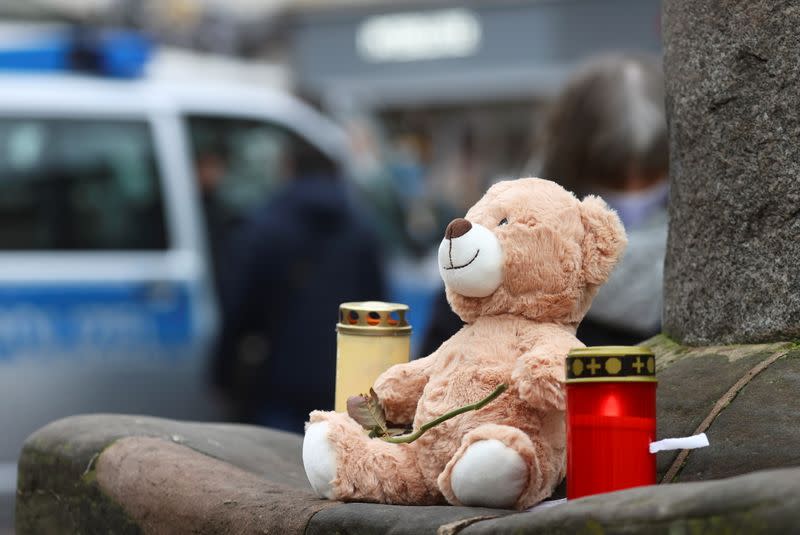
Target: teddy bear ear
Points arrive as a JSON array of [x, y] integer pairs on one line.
[[604, 239]]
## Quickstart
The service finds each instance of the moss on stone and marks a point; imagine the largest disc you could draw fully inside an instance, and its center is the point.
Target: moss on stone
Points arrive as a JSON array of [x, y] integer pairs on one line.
[[592, 527], [54, 495], [794, 353], [668, 351]]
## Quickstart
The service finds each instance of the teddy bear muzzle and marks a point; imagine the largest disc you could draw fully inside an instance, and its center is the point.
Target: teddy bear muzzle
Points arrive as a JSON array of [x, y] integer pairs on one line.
[[470, 259]]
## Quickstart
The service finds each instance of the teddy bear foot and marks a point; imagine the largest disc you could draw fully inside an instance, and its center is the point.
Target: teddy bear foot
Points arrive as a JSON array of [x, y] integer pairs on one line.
[[489, 474], [319, 459]]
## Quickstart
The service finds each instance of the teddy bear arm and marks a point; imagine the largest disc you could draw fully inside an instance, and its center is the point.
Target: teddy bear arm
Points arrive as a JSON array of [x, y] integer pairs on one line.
[[400, 387], [539, 374]]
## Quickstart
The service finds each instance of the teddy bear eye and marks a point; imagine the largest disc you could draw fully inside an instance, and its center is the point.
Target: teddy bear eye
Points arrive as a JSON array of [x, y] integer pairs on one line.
[[503, 221]]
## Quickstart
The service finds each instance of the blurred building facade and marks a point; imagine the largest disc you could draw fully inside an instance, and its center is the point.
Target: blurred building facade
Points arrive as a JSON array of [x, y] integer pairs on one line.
[[441, 98], [456, 89]]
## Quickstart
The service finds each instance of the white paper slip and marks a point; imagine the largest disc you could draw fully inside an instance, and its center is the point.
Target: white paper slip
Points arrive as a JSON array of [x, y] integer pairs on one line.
[[683, 443]]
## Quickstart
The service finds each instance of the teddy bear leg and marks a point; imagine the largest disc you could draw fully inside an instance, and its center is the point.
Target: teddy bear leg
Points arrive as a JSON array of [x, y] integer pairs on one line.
[[343, 463], [500, 466]]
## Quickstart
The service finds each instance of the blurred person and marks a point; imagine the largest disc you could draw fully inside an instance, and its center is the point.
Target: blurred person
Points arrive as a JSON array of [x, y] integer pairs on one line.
[[298, 257], [210, 170], [606, 134], [390, 174], [372, 176]]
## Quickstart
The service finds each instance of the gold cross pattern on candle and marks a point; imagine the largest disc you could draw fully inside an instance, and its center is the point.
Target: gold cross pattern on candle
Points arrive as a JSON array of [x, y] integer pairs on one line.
[[610, 363]]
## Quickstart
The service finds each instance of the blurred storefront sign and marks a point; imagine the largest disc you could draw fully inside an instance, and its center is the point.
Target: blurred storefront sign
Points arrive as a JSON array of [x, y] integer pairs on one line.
[[419, 36], [489, 50]]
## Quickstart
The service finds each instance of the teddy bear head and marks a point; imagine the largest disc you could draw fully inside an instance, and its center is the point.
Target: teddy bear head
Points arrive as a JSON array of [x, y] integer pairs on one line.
[[530, 248]]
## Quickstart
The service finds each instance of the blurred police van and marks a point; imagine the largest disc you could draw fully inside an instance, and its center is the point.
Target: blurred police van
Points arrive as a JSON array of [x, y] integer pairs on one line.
[[107, 300]]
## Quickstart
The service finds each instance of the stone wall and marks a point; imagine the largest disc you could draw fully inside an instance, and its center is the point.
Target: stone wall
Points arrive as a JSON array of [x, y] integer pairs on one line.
[[733, 106]]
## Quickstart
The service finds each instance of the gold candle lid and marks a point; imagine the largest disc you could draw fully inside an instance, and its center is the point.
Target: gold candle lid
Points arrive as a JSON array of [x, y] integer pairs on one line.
[[373, 318], [611, 364]]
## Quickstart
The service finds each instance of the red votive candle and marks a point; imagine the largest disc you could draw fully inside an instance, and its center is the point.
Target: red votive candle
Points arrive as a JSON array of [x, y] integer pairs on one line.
[[611, 419]]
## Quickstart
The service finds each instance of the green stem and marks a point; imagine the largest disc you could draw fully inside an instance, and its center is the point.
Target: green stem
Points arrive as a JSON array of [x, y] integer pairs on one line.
[[404, 439]]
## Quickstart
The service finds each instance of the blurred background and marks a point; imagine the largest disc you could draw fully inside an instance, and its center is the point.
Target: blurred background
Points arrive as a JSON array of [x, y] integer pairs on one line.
[[188, 188]]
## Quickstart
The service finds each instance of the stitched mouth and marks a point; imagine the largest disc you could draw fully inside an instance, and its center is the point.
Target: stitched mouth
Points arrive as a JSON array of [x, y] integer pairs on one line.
[[464, 265]]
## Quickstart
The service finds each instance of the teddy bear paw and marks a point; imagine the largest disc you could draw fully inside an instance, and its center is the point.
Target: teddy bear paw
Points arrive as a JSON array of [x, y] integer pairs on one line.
[[319, 459], [489, 474], [540, 389]]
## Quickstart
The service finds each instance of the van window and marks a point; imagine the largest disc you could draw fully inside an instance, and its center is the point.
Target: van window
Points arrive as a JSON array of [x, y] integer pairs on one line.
[[240, 161], [237, 165], [74, 184]]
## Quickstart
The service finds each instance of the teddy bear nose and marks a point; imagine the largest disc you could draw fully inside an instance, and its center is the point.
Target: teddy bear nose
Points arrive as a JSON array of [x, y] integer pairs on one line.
[[456, 228]]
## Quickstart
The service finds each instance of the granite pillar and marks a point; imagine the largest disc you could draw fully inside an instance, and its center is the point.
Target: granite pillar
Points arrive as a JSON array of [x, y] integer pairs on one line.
[[732, 273]]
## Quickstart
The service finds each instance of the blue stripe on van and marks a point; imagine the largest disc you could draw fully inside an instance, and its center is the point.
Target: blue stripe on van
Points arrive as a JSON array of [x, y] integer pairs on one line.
[[113, 319]]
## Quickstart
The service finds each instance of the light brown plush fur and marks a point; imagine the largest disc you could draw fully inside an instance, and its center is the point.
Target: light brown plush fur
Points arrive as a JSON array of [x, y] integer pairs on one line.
[[556, 252]]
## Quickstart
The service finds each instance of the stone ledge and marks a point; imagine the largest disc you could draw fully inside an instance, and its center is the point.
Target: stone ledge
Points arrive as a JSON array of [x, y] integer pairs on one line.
[[378, 519], [762, 502], [131, 474], [59, 489], [273, 454], [758, 430], [168, 488]]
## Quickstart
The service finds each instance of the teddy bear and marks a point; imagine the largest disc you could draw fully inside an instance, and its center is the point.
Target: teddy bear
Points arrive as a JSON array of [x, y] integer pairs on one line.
[[520, 269]]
